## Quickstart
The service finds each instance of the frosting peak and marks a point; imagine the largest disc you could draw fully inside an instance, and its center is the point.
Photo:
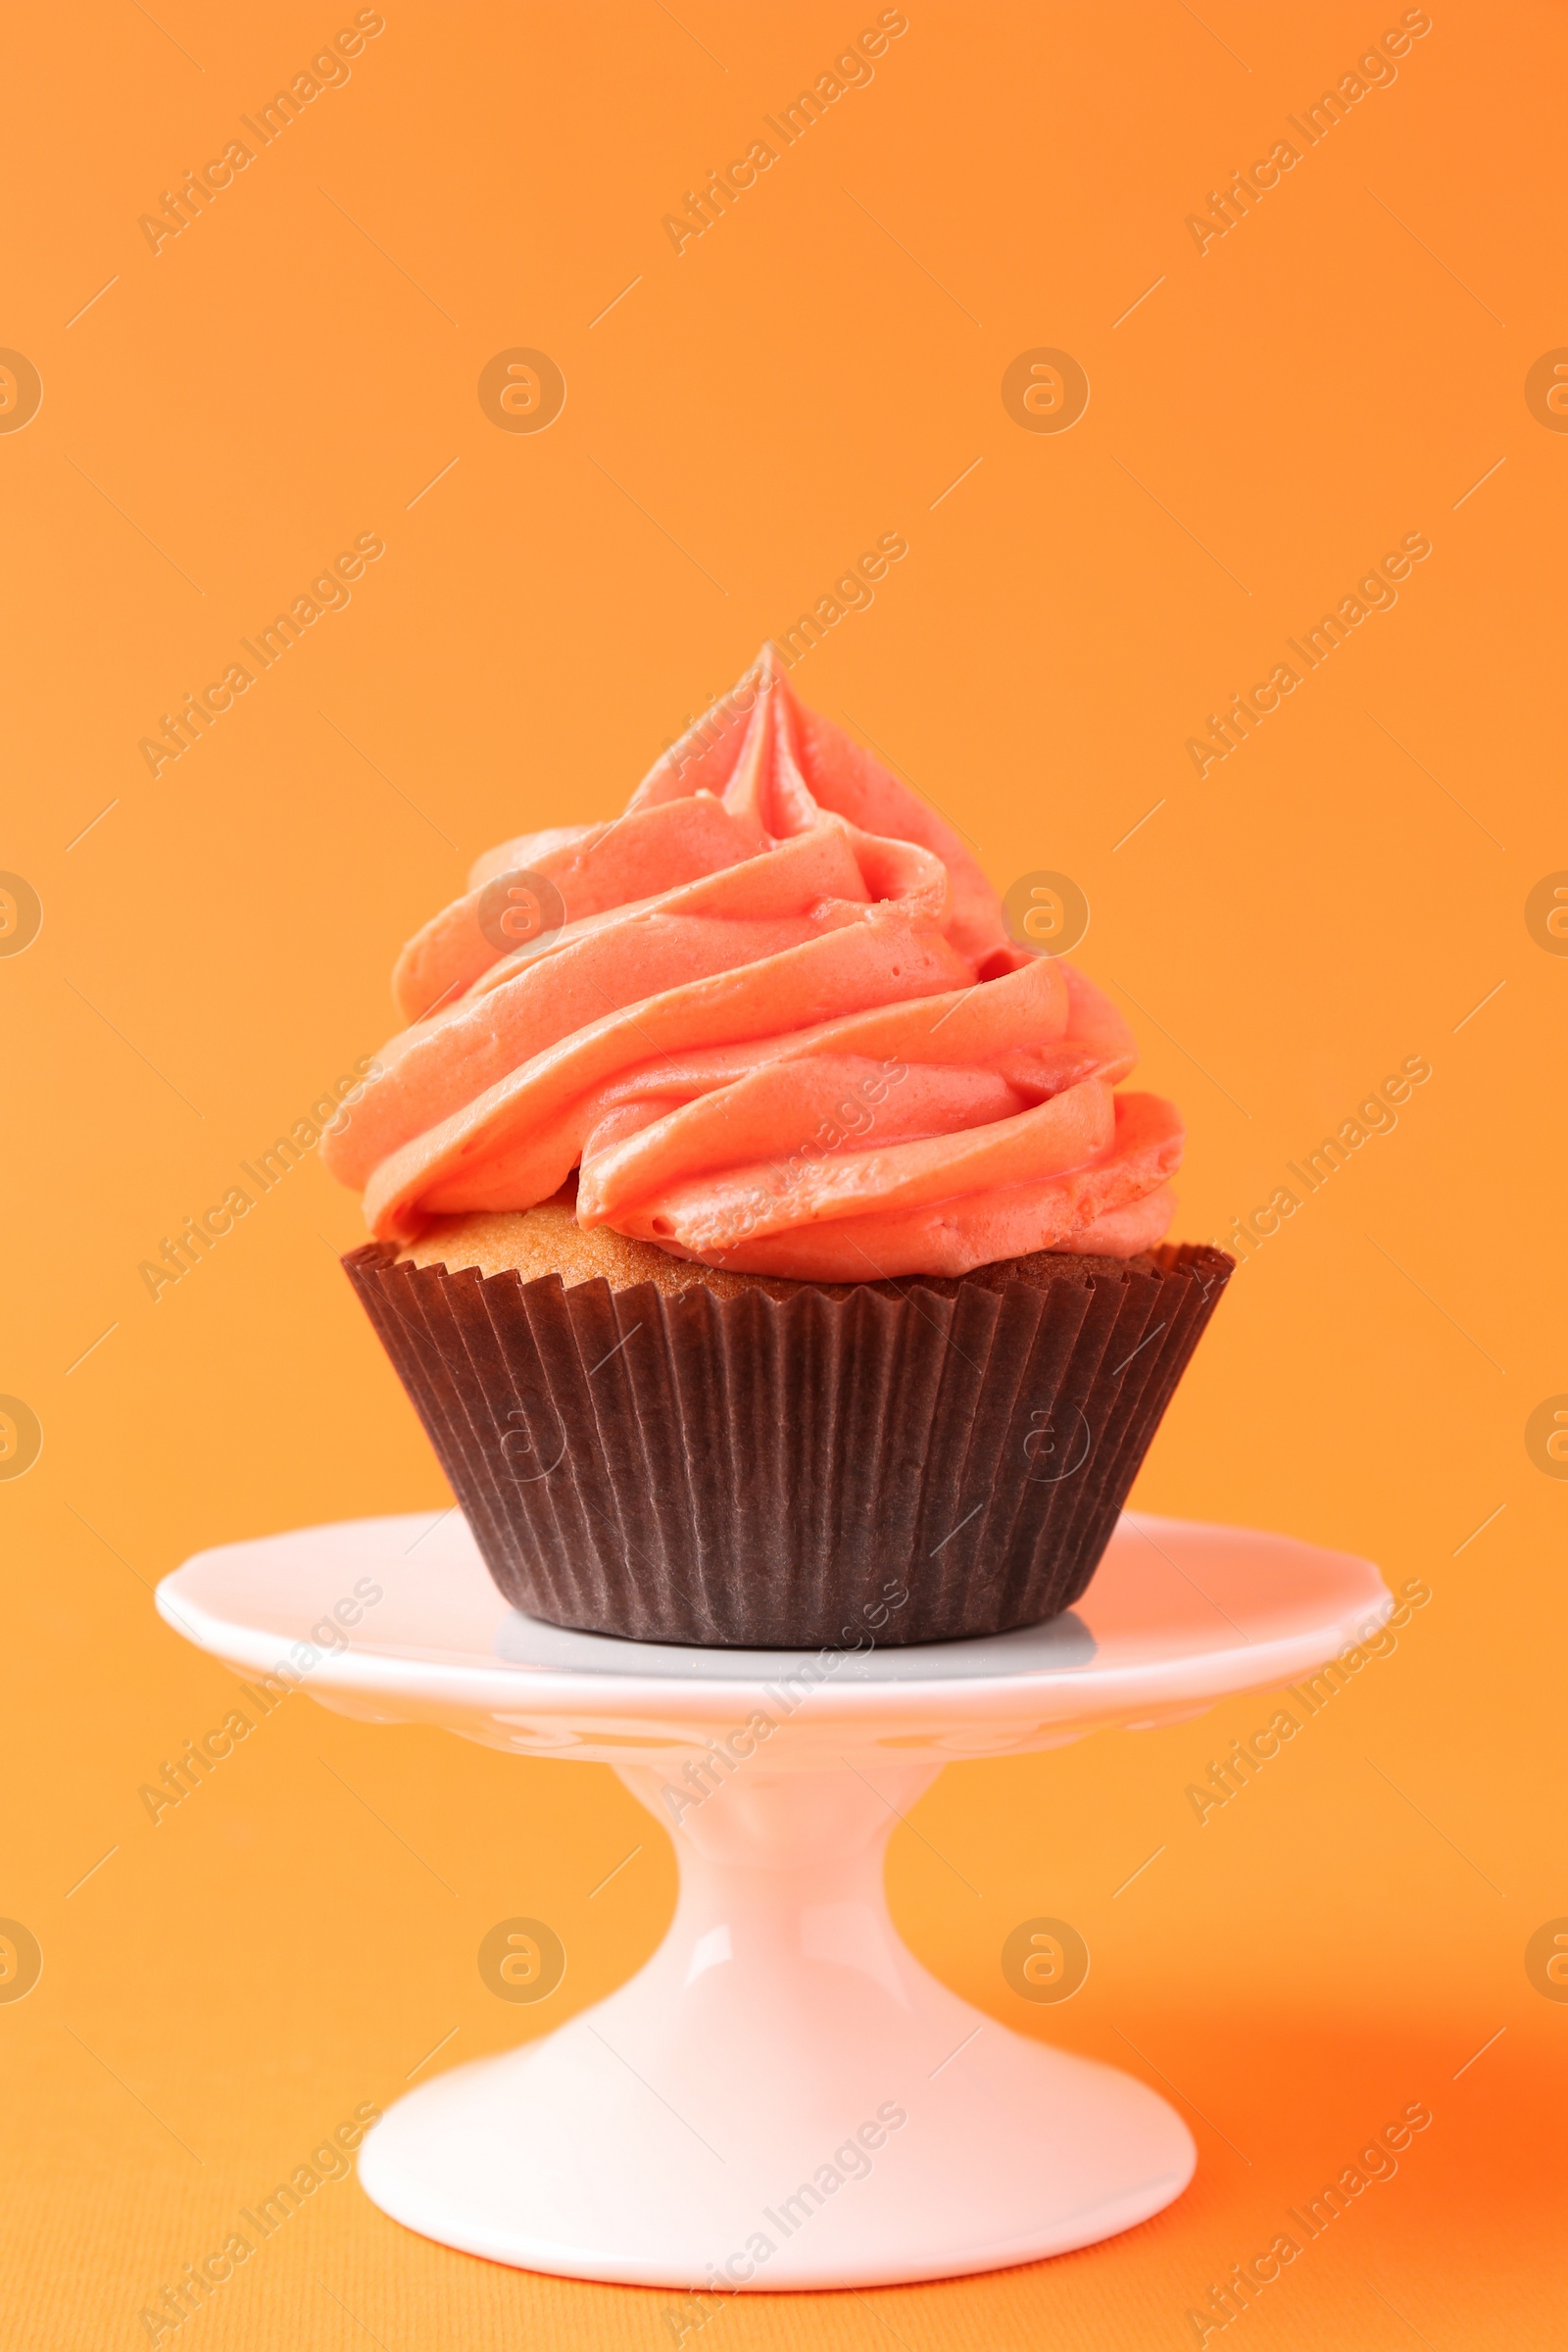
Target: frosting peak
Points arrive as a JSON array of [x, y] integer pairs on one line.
[[773, 1014]]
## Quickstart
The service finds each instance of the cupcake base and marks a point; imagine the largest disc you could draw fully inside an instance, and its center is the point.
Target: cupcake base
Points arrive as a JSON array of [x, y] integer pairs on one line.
[[886, 1463]]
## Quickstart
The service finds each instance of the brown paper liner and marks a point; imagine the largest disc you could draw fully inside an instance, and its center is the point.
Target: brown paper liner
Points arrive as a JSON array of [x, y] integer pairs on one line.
[[886, 1462]]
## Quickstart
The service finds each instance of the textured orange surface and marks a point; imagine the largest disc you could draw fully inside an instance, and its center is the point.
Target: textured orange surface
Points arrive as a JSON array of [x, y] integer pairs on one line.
[[1364, 357]]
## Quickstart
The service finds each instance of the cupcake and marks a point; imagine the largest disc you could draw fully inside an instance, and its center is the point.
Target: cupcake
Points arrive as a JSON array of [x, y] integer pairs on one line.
[[761, 1233]]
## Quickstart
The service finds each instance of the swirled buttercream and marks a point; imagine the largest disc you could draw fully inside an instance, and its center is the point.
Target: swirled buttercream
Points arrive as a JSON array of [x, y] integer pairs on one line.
[[772, 1016]]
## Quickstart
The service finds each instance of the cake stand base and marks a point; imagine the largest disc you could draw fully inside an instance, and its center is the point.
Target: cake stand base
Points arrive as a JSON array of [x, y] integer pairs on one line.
[[783, 2096]]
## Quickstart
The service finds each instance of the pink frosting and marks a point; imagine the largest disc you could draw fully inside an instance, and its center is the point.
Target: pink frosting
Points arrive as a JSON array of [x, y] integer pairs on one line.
[[778, 1024]]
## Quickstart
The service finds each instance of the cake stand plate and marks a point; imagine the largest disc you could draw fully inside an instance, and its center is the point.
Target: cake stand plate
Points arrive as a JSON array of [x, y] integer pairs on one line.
[[782, 2096]]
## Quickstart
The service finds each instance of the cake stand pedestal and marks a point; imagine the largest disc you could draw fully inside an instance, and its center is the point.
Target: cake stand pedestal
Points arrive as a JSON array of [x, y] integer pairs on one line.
[[782, 2096]]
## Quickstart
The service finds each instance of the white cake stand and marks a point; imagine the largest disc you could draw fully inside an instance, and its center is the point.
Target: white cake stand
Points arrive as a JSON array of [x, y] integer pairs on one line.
[[783, 2096]]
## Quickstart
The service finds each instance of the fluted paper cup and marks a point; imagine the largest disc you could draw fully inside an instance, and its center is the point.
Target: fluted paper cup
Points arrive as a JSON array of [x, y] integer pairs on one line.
[[799, 1466]]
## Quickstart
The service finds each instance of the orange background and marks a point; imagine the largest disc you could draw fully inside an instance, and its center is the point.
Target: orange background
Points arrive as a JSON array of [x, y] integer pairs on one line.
[[294, 369]]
